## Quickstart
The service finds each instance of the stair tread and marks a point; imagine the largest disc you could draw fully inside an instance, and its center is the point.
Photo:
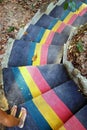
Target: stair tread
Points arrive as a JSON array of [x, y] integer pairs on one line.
[[43, 36], [45, 21], [81, 20], [69, 18], [24, 83], [79, 120], [22, 53], [44, 54], [59, 12], [47, 110]]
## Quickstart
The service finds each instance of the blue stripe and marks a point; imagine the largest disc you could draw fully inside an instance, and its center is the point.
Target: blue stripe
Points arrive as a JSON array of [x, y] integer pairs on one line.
[[38, 38], [78, 4], [53, 23], [86, 1], [36, 115], [21, 84], [31, 53], [66, 12]]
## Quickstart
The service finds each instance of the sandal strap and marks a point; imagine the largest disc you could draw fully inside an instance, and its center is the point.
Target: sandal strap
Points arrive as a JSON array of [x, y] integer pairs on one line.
[[21, 123]]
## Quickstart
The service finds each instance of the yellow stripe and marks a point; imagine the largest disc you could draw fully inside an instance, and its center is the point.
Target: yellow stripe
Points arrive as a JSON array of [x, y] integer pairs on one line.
[[44, 38], [50, 116], [38, 55], [57, 25], [76, 12], [62, 128], [83, 6], [68, 17], [29, 81]]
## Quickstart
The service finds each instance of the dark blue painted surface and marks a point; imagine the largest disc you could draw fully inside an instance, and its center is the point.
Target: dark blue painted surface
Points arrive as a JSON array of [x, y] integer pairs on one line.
[[67, 91], [59, 12], [53, 53], [54, 74], [45, 21], [81, 116], [80, 20], [21, 53], [34, 33], [16, 88], [69, 94], [11, 89], [60, 38]]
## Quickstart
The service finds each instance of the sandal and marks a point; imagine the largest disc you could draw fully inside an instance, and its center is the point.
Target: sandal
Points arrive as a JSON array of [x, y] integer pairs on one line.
[[22, 117], [14, 110]]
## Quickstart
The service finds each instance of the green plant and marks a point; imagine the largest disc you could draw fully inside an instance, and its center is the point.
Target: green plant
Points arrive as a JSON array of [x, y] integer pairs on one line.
[[1, 1], [10, 29], [70, 4], [79, 46]]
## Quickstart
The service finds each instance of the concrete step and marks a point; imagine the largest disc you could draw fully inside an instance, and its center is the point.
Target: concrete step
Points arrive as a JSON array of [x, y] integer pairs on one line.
[[24, 83], [32, 53], [77, 121], [81, 20], [59, 12], [68, 18], [53, 108], [46, 21], [21, 53], [33, 33], [45, 36]]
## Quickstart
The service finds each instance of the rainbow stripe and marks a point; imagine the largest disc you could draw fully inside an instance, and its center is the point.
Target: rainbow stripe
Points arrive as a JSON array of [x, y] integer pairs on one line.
[[70, 18], [41, 52], [27, 82], [49, 111], [72, 124]]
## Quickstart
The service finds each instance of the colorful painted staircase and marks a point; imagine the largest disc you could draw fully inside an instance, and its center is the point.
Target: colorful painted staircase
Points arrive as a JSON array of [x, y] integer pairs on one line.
[[37, 79]]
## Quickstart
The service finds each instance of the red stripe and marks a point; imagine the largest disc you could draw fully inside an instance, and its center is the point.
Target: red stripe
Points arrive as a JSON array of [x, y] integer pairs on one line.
[[73, 124], [61, 28], [73, 18], [44, 54], [38, 79], [83, 12], [50, 38], [57, 105]]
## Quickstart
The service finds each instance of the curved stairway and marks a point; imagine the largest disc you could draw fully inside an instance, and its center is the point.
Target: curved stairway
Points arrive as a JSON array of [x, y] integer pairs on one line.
[[37, 79]]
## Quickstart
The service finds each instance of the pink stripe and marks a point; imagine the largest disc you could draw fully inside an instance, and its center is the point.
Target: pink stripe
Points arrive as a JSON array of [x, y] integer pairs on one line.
[[73, 18], [44, 54], [83, 12], [38, 79], [73, 124], [57, 105], [50, 38], [61, 28]]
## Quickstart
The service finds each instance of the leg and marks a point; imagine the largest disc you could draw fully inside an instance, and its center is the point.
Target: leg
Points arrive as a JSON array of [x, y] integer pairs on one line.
[[8, 120], [11, 120]]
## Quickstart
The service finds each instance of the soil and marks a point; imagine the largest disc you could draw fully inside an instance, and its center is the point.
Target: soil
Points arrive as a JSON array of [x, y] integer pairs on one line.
[[77, 50]]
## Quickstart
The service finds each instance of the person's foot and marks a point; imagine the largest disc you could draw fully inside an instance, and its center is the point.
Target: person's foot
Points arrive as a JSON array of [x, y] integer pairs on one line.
[[14, 110], [22, 117]]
